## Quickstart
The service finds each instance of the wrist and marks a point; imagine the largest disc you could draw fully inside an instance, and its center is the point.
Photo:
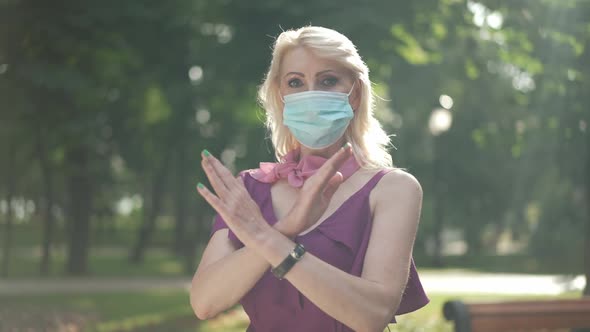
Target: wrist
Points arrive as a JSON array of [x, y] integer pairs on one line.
[[285, 266], [272, 245], [258, 236], [284, 229]]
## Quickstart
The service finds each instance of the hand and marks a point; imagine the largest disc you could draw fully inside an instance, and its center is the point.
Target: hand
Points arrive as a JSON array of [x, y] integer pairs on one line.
[[232, 202], [315, 195]]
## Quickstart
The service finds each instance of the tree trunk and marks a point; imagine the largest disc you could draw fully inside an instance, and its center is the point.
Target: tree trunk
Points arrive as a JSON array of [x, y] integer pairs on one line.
[[472, 235], [438, 233], [197, 231], [158, 185], [586, 291], [47, 214], [79, 186], [587, 237], [438, 208], [180, 201], [150, 214], [11, 184]]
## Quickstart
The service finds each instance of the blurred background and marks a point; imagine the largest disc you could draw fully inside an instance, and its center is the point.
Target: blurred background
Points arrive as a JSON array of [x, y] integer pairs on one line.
[[106, 105]]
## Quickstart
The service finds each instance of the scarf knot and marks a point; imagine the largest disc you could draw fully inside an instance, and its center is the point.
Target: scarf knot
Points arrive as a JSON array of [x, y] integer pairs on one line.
[[297, 170]]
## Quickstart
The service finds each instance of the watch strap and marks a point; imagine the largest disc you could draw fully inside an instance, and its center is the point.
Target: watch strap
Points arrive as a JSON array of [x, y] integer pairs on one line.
[[280, 270]]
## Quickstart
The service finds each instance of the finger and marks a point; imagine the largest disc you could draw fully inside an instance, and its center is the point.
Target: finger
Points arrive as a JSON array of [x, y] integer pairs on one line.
[[333, 185], [332, 165], [213, 200], [224, 174], [214, 179]]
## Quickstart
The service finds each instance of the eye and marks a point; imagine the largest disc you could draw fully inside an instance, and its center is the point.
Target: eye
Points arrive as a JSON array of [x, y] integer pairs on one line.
[[329, 81], [294, 83]]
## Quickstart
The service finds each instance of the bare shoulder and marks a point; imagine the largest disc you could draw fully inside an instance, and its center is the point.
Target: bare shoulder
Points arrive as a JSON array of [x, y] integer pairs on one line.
[[399, 182], [397, 203], [398, 185]]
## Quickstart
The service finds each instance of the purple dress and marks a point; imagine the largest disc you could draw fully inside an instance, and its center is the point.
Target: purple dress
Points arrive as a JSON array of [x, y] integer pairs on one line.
[[340, 240]]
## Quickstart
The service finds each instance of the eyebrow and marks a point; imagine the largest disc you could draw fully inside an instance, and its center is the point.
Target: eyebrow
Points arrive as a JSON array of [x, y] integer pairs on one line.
[[317, 74]]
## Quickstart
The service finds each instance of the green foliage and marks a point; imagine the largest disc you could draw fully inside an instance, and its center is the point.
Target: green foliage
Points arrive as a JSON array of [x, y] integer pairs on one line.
[[104, 312], [409, 47], [112, 80], [168, 311], [156, 108]]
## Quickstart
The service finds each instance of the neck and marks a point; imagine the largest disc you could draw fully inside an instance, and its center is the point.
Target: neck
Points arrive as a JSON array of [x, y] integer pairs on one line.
[[326, 152]]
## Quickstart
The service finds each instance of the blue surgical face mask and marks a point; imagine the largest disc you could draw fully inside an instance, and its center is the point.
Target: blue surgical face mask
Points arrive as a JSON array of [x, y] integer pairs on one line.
[[317, 119]]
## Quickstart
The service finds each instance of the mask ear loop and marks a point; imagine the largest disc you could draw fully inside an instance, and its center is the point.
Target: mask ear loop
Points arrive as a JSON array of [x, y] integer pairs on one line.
[[351, 89], [350, 92]]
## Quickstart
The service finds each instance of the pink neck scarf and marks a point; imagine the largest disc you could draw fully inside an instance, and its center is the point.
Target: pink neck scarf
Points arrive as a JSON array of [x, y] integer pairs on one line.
[[296, 170]]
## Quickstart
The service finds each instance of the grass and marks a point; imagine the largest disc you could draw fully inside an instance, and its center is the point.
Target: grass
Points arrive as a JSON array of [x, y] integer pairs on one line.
[[108, 253], [516, 263], [430, 317], [170, 311], [111, 232], [114, 263], [110, 249], [104, 312]]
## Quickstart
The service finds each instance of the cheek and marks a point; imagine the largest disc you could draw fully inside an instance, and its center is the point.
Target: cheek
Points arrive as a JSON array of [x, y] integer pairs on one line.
[[280, 96], [355, 100], [354, 103]]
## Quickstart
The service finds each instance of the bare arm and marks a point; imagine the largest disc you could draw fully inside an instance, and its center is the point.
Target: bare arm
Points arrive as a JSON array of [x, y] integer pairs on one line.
[[365, 303], [225, 275]]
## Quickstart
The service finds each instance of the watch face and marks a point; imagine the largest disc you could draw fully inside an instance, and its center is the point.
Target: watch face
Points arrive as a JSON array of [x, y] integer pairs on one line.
[[298, 252]]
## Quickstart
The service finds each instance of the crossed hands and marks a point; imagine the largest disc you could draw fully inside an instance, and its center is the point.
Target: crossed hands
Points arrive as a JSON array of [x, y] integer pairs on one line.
[[241, 213]]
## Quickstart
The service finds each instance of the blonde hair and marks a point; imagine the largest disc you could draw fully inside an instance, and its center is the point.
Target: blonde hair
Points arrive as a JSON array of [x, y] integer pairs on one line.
[[369, 140]]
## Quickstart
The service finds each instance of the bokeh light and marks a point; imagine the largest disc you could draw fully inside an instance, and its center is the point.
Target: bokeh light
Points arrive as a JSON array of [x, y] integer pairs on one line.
[[440, 121], [445, 101], [195, 74]]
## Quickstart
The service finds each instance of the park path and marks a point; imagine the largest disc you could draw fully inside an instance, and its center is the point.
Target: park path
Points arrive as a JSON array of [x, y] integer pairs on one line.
[[444, 282], [497, 283]]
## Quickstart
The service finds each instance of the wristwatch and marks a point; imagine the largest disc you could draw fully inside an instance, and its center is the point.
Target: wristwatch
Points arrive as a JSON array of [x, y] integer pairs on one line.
[[280, 270]]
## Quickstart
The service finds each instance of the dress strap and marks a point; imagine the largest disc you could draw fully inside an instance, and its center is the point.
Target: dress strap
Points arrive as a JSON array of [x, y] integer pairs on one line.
[[375, 179]]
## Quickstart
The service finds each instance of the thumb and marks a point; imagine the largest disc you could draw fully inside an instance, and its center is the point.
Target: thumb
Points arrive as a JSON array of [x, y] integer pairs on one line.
[[333, 185]]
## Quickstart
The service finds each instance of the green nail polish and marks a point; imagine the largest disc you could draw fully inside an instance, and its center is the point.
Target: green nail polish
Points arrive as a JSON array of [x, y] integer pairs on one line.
[[206, 153], [200, 185]]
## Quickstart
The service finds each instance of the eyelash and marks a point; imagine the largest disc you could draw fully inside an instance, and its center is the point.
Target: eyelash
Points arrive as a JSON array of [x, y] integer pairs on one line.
[[292, 81], [333, 81]]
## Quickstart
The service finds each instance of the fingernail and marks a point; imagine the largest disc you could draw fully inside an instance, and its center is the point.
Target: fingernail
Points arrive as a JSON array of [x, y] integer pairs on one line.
[[206, 153], [200, 185], [346, 146]]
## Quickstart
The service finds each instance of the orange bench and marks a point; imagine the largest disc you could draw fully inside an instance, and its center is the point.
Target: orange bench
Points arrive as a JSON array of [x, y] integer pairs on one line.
[[518, 315]]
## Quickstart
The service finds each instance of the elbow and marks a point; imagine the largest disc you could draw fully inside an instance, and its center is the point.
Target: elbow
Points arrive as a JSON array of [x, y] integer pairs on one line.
[[202, 314], [377, 319], [200, 310], [374, 324], [201, 307], [371, 327]]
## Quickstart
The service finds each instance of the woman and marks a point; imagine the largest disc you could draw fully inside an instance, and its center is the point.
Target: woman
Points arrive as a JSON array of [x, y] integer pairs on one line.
[[322, 240]]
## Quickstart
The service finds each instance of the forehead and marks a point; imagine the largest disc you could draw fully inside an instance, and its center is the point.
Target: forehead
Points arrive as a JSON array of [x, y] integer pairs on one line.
[[303, 60]]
